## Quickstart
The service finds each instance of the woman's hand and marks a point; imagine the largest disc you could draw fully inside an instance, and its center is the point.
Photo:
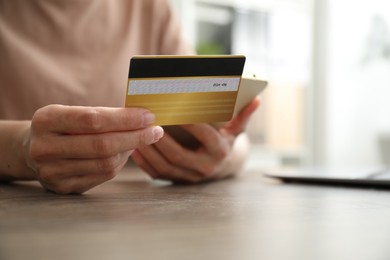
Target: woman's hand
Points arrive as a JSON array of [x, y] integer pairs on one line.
[[72, 149], [221, 152]]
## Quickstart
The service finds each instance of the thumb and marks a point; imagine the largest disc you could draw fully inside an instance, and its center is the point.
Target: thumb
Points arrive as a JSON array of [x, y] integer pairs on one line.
[[238, 124]]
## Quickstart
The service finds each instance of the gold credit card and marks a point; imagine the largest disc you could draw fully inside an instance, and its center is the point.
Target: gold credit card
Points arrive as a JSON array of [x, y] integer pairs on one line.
[[185, 89]]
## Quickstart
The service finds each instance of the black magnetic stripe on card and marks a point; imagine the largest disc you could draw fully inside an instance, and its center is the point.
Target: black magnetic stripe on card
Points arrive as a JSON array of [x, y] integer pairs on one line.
[[186, 67]]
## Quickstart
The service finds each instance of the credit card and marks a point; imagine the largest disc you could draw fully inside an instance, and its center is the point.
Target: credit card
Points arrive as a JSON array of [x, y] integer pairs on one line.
[[185, 89]]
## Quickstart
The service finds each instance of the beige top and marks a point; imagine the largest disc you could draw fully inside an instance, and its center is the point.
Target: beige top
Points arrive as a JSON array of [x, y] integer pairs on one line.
[[77, 52]]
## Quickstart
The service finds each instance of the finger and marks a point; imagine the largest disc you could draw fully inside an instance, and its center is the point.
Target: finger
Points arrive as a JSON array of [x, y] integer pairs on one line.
[[143, 164], [164, 168], [83, 120], [239, 123], [81, 183], [55, 170], [93, 146], [176, 154], [211, 139]]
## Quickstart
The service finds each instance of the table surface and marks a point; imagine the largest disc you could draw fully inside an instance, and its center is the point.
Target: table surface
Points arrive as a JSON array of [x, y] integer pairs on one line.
[[246, 217]]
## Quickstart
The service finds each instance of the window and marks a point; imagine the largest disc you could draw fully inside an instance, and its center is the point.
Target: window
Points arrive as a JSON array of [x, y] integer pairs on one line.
[[276, 38]]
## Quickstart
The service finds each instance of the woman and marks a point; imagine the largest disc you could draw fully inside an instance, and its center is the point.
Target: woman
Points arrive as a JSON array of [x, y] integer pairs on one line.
[[63, 73]]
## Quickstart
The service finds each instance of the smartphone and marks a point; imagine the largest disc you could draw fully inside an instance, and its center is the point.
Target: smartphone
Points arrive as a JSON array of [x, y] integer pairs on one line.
[[250, 87]]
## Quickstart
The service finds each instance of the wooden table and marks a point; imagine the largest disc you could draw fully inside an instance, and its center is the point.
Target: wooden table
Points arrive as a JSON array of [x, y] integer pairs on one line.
[[247, 217]]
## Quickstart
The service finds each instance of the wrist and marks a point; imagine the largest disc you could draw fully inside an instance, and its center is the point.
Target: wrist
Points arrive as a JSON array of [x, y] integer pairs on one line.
[[14, 136], [237, 158]]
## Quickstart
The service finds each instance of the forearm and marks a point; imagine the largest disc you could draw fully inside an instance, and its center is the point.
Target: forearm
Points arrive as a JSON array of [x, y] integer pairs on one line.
[[13, 138]]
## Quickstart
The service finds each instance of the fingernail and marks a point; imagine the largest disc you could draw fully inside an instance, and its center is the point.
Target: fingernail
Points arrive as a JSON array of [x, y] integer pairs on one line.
[[158, 132], [149, 118]]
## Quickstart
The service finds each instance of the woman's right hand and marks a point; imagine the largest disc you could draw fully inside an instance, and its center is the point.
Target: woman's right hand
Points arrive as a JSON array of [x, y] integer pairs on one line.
[[72, 149]]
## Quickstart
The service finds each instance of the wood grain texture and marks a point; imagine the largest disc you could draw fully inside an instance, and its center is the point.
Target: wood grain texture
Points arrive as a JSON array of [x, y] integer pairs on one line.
[[247, 217]]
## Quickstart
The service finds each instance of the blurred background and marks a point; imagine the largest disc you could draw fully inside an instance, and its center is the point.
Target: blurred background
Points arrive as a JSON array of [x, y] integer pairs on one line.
[[328, 67]]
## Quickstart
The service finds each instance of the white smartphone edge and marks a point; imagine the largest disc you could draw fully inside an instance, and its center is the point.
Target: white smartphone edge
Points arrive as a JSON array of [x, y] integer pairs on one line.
[[249, 88]]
